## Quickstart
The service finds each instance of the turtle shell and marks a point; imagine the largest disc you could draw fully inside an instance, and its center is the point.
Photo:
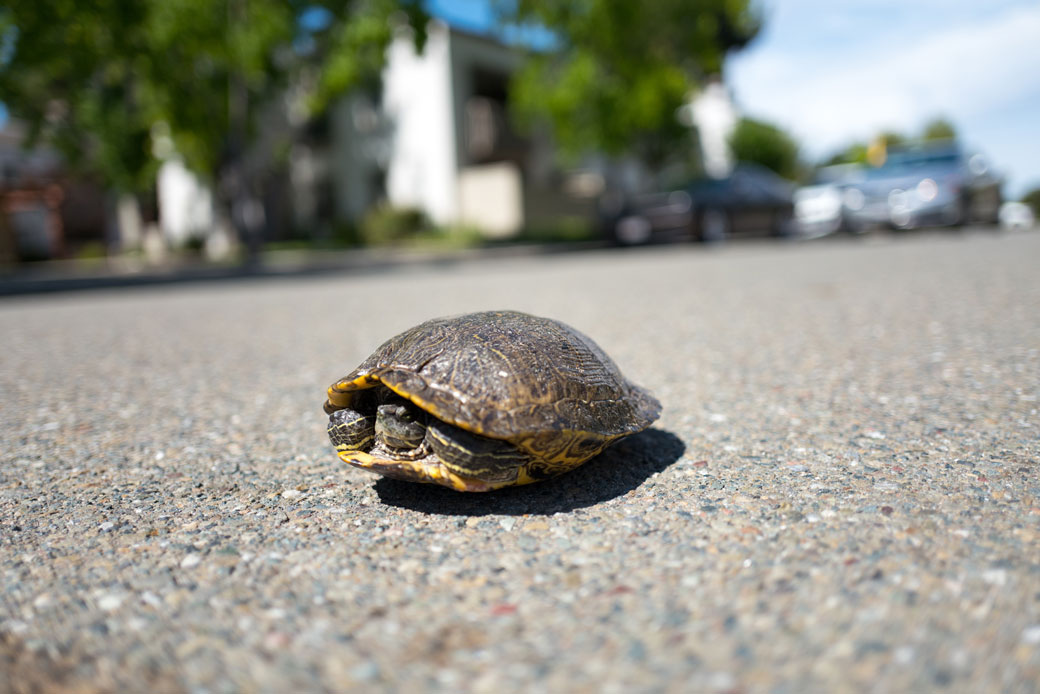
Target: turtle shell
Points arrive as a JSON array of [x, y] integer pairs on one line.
[[534, 382]]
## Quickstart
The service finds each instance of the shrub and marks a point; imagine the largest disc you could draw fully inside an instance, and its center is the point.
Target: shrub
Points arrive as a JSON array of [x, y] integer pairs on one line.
[[386, 224]]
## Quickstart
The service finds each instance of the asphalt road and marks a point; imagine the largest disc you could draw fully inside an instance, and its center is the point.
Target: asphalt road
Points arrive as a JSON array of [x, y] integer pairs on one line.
[[842, 494]]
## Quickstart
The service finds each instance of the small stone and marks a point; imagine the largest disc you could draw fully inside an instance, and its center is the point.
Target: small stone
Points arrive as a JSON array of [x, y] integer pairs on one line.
[[904, 655], [365, 672], [150, 598], [15, 626], [110, 602], [276, 640], [722, 681], [106, 526], [292, 494], [507, 523], [1031, 635], [995, 577], [191, 561], [503, 609]]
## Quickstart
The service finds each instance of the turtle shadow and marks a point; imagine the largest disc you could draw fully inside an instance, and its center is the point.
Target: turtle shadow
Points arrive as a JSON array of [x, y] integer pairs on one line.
[[619, 469]]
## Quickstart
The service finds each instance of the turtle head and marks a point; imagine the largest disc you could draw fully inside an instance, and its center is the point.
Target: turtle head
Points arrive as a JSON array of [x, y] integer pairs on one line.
[[400, 426]]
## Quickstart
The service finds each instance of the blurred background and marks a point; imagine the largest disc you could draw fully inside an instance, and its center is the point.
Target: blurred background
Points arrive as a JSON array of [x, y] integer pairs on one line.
[[150, 133]]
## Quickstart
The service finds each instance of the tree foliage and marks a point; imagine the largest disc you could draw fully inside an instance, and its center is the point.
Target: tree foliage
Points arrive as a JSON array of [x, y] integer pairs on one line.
[[616, 72], [71, 72], [874, 152], [765, 144], [95, 79], [1032, 198], [939, 129]]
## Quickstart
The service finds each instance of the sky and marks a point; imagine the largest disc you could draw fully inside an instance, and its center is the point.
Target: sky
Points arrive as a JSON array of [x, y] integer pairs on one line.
[[835, 72]]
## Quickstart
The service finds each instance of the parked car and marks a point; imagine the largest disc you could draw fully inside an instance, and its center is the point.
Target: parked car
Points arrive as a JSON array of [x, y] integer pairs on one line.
[[934, 184], [1016, 215], [821, 208], [818, 209], [750, 201]]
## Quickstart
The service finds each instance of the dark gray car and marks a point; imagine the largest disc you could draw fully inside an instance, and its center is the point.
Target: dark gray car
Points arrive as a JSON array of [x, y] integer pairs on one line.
[[751, 201]]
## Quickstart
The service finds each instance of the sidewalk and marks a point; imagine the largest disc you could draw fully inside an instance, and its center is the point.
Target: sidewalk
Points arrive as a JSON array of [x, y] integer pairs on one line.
[[67, 275]]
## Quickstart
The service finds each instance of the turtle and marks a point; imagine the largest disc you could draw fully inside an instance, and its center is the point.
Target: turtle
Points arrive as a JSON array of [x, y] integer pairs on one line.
[[482, 401]]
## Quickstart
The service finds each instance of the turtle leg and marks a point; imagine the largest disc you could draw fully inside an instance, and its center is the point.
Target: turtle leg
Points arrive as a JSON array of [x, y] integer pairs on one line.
[[350, 430], [474, 456]]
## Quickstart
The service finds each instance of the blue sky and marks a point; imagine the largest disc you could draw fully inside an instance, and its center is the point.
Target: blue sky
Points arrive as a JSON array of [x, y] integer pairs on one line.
[[474, 15], [833, 72], [840, 71]]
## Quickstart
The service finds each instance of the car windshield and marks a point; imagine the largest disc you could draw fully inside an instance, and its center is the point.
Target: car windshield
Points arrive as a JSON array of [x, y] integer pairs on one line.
[[908, 163]]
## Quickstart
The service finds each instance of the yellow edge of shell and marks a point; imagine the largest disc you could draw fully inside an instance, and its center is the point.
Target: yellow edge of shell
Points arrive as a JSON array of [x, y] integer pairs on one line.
[[340, 394], [437, 474]]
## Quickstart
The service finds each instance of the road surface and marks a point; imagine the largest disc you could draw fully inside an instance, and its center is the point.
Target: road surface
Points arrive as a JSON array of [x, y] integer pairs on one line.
[[842, 492]]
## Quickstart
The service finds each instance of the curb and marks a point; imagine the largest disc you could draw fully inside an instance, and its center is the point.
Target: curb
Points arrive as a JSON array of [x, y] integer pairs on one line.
[[50, 279]]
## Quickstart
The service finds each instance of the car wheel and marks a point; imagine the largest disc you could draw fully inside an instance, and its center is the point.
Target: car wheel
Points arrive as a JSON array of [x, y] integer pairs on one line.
[[714, 225], [851, 226], [960, 215], [632, 230], [783, 225]]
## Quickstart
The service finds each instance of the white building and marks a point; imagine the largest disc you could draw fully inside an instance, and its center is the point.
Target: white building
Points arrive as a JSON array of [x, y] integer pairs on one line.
[[712, 112], [438, 138]]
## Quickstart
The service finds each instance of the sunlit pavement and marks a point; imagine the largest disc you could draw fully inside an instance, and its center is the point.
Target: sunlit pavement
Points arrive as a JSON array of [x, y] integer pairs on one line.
[[842, 492]]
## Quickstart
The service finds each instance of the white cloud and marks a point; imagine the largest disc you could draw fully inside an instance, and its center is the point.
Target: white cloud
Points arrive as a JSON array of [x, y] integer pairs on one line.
[[829, 99]]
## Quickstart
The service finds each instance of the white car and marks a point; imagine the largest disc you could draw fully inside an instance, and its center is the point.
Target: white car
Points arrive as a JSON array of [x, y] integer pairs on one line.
[[1016, 215], [818, 210]]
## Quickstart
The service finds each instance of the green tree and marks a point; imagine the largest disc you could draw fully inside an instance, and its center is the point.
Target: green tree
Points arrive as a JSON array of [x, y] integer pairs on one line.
[[1032, 198], [872, 154], [766, 144], [98, 80], [890, 138], [939, 129], [70, 71], [615, 73], [875, 152], [853, 154]]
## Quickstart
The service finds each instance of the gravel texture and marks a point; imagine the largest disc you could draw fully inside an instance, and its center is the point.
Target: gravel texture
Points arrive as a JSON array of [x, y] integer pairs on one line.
[[842, 493]]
